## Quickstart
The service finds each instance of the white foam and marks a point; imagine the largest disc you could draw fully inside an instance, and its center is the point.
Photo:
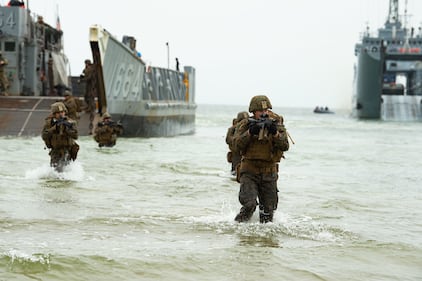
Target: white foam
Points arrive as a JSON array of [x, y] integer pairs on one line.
[[21, 256], [74, 172]]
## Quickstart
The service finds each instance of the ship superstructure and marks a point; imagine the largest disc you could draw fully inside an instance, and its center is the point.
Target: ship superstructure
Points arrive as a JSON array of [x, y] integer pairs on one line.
[[36, 64], [388, 73]]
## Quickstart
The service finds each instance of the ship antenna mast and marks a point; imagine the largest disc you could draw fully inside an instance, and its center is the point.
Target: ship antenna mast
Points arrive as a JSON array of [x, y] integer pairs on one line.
[[393, 12], [405, 14]]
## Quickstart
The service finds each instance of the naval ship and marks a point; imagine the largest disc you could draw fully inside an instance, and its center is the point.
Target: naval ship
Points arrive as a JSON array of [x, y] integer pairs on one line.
[[148, 101], [388, 72], [36, 71]]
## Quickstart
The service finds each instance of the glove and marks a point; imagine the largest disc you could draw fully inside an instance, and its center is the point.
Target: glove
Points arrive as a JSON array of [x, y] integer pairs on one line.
[[272, 129], [254, 129]]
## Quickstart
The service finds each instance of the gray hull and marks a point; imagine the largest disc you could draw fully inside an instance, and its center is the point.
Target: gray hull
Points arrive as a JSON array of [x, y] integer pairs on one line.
[[368, 85], [148, 101]]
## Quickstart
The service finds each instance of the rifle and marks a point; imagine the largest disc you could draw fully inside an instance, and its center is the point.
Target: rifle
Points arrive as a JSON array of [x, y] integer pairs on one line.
[[116, 124], [264, 122], [64, 122], [111, 124]]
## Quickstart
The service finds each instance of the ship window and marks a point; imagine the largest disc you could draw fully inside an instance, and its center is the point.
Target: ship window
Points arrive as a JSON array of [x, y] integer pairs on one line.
[[9, 46]]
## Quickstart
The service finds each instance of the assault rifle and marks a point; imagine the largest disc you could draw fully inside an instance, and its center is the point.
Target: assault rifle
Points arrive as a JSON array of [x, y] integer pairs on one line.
[[264, 122], [62, 121], [111, 124]]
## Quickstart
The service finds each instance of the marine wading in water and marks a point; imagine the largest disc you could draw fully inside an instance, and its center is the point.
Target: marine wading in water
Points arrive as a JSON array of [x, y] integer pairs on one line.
[[59, 134], [107, 131], [261, 141]]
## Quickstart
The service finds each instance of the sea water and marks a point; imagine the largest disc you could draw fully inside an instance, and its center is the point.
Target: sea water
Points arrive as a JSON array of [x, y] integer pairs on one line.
[[350, 206]]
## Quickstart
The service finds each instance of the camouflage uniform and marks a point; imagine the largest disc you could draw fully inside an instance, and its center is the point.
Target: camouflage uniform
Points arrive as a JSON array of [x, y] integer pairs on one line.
[[261, 150], [107, 131], [234, 156], [4, 82], [89, 76], [72, 106], [59, 134]]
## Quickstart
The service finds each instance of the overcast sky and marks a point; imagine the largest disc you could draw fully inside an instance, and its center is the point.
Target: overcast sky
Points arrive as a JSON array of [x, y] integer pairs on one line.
[[300, 53]]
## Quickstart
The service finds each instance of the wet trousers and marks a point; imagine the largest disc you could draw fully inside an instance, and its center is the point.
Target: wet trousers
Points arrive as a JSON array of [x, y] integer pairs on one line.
[[257, 186]]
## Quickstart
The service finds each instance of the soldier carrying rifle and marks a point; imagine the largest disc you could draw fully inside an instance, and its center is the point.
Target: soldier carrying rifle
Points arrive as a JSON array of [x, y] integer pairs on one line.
[[261, 140], [107, 131], [59, 134]]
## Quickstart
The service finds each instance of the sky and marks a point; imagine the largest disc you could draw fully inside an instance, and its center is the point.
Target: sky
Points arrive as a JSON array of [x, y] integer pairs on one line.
[[299, 53]]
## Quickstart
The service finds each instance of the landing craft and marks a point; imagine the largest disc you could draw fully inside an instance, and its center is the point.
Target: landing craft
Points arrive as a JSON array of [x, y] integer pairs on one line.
[[148, 101]]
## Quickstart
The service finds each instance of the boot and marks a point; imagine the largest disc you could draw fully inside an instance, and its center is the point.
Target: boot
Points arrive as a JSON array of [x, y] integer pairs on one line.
[[242, 217], [265, 217]]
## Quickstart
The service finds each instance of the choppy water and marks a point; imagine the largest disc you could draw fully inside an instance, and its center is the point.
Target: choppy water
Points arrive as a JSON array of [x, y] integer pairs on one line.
[[163, 208]]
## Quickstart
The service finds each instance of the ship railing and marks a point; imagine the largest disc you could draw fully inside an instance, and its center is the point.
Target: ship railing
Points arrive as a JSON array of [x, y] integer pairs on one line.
[[164, 105]]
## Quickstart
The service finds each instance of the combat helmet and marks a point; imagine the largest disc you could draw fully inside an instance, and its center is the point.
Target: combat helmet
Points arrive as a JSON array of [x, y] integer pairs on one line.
[[259, 103], [106, 115], [57, 107], [67, 93], [242, 115]]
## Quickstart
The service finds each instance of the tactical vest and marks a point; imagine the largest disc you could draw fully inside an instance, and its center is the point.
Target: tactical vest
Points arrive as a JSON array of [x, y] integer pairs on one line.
[[105, 134], [58, 138], [61, 140], [259, 149], [72, 108]]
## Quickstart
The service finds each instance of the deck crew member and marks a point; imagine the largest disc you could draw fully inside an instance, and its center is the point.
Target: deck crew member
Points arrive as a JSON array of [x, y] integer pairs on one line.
[[4, 82], [89, 76]]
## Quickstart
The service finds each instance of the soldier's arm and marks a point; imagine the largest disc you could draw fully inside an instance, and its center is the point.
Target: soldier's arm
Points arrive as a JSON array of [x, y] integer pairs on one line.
[[72, 130], [280, 140], [46, 132], [118, 130]]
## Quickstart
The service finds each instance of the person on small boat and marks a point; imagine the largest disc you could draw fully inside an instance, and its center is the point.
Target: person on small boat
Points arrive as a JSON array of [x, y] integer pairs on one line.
[[261, 140], [59, 135], [107, 131]]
